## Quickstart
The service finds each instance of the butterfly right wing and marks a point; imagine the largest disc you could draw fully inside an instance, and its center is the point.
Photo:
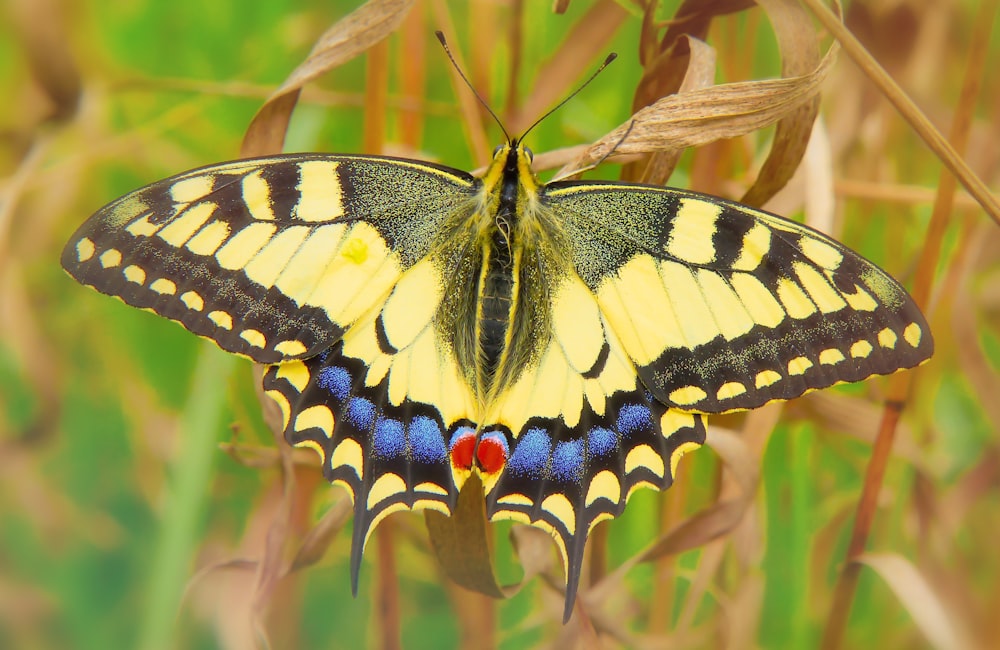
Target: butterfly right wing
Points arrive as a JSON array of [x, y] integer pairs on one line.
[[272, 258], [723, 307]]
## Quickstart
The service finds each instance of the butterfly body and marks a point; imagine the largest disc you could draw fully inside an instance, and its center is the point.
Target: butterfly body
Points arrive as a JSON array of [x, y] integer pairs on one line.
[[562, 341]]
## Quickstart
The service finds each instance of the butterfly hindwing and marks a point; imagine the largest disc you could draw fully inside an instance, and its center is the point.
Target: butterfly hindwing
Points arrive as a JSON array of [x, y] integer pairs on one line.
[[581, 431], [271, 258], [382, 407], [723, 307]]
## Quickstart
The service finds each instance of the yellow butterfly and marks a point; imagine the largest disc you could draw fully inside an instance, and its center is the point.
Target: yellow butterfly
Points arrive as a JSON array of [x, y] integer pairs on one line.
[[563, 341]]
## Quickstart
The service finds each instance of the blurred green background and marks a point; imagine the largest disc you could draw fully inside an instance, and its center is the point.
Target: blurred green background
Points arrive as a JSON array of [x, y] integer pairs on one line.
[[134, 456]]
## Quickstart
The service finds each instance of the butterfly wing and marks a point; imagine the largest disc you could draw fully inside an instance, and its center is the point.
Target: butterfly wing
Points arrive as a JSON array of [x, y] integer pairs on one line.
[[272, 258], [581, 431], [382, 407], [722, 307], [321, 263]]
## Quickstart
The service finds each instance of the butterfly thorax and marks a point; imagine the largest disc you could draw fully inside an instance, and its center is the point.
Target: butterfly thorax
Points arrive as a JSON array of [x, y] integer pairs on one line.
[[501, 315]]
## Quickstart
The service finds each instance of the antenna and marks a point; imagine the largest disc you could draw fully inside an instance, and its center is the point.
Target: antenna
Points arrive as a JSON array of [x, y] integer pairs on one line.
[[611, 57], [458, 69], [440, 36]]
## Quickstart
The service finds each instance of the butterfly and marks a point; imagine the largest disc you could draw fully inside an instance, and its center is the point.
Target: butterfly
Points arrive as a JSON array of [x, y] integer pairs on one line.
[[562, 341]]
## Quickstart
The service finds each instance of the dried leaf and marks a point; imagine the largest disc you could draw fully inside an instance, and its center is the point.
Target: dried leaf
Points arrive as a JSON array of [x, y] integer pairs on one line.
[[462, 542], [701, 116], [799, 45], [917, 596], [699, 73], [707, 525], [347, 38]]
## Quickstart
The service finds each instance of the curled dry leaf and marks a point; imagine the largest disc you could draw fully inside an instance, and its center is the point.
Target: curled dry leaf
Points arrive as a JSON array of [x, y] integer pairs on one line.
[[722, 517], [462, 542], [699, 73], [349, 37], [916, 595], [799, 45], [701, 116]]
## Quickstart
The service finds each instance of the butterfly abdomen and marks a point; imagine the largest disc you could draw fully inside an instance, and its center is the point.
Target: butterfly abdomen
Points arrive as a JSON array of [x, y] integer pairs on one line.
[[496, 299]]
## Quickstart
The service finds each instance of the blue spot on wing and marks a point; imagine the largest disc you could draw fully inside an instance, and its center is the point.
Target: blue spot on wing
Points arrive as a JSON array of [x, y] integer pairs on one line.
[[388, 441], [460, 433], [361, 413], [567, 460], [601, 441], [426, 440], [336, 381], [531, 454], [634, 418]]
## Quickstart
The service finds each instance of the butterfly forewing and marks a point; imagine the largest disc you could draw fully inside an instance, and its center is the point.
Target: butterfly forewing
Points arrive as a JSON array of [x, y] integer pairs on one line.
[[722, 307], [271, 258]]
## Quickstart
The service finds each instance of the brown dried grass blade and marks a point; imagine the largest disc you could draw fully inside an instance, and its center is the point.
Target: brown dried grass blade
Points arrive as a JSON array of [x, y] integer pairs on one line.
[[900, 384], [916, 595], [468, 104], [709, 524], [39, 25], [907, 108], [706, 115], [800, 53], [347, 38], [320, 536]]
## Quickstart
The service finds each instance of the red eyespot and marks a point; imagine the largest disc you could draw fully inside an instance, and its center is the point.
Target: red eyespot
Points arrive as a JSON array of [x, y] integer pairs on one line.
[[491, 455], [462, 448]]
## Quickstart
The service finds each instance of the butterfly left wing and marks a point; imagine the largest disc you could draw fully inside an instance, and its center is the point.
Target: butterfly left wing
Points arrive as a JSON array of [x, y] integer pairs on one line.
[[580, 432], [272, 258], [382, 408]]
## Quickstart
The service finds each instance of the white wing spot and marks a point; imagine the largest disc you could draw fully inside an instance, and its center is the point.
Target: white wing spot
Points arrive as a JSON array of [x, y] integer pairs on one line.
[[142, 227], [257, 196], [691, 232], [290, 348], [730, 389], [207, 240], [821, 253], [831, 357], [192, 189], [766, 378], [687, 395], [861, 349], [799, 365], [320, 195], [887, 338]]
